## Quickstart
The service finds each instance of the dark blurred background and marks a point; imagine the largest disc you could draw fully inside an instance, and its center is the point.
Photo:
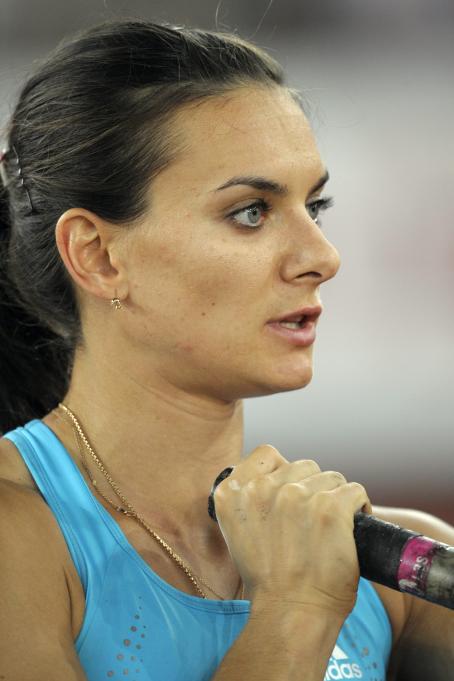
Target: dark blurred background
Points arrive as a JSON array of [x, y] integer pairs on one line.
[[378, 82]]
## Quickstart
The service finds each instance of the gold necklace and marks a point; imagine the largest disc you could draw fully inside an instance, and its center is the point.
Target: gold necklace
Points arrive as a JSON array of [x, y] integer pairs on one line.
[[130, 511]]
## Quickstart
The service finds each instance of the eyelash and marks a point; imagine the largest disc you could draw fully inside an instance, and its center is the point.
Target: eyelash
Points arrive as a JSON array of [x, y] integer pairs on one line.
[[321, 204]]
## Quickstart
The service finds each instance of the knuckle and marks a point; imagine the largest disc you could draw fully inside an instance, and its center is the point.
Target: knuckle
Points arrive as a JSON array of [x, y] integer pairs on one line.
[[218, 498], [324, 498], [336, 475], [225, 487], [358, 487], [258, 488], [268, 452], [219, 492], [292, 492], [308, 463]]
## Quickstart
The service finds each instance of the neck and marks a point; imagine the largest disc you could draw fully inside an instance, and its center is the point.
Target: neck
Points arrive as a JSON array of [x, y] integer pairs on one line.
[[163, 448]]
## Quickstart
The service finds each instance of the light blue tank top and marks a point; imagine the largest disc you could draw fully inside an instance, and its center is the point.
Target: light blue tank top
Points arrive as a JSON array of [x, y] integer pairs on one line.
[[138, 626]]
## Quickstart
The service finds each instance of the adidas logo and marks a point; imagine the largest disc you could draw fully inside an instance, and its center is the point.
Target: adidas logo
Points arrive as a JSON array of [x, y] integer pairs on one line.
[[338, 669]]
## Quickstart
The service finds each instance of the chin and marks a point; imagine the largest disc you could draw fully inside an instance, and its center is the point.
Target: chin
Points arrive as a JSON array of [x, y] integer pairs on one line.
[[284, 382], [297, 382], [296, 374]]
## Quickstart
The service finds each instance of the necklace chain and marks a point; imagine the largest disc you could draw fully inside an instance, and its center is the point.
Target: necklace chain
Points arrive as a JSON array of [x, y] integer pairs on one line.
[[129, 511]]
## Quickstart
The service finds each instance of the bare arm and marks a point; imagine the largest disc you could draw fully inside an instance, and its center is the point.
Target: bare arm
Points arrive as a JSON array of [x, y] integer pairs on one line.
[[281, 643], [36, 640]]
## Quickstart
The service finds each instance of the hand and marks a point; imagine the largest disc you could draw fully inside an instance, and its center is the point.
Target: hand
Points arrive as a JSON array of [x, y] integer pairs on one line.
[[289, 531]]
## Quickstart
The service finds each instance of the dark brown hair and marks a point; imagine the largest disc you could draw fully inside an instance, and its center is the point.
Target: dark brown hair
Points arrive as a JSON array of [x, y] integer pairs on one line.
[[91, 129]]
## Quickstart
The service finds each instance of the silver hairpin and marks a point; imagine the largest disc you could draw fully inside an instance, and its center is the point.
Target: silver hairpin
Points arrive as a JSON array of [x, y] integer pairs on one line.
[[20, 176], [3, 175]]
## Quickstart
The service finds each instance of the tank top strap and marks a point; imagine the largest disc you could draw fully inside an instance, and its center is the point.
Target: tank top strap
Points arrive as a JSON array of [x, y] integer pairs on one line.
[[67, 494]]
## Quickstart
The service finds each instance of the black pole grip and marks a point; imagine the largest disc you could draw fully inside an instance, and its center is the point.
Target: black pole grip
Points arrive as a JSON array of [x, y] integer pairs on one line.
[[222, 476]]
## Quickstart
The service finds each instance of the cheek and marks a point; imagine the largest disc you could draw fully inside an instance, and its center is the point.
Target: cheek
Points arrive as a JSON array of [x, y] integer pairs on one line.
[[215, 295], [226, 292], [192, 287], [186, 348]]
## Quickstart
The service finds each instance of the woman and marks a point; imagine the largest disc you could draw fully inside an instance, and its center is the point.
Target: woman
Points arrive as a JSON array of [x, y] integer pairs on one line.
[[172, 173]]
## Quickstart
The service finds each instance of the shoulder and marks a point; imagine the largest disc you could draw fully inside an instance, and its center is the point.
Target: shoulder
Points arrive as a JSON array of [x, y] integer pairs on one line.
[[414, 619], [27, 525], [12, 465], [36, 618], [25, 518], [26, 528]]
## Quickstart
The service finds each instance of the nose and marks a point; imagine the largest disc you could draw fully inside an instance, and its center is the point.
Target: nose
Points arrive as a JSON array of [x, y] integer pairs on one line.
[[310, 255]]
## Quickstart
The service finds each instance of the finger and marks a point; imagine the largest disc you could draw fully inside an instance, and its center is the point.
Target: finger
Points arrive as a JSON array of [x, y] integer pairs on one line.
[[295, 471], [356, 496], [263, 460], [325, 481], [266, 465]]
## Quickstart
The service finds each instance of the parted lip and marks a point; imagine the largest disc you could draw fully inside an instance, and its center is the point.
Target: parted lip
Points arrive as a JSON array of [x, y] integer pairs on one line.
[[312, 313]]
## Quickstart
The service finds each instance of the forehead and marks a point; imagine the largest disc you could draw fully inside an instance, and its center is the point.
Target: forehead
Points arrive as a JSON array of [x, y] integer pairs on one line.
[[249, 130]]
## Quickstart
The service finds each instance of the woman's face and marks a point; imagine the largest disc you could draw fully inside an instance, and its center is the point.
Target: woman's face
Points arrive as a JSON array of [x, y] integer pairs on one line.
[[202, 282]]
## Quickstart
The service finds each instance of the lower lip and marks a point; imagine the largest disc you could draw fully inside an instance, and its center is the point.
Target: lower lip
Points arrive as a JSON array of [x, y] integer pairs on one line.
[[302, 337]]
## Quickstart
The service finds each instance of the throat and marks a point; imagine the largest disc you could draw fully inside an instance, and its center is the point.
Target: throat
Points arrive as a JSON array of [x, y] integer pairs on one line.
[[218, 571]]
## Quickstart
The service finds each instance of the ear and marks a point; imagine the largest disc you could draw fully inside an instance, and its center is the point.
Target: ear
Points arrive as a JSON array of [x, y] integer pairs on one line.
[[90, 249]]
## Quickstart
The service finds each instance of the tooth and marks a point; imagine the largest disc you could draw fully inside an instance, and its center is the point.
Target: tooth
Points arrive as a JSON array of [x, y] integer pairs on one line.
[[290, 325]]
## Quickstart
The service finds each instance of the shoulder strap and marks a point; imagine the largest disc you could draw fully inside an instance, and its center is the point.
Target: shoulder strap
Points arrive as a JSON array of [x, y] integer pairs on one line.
[[66, 492]]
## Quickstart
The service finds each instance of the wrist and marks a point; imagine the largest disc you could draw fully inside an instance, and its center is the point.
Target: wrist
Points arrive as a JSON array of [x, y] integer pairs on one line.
[[298, 630], [290, 608]]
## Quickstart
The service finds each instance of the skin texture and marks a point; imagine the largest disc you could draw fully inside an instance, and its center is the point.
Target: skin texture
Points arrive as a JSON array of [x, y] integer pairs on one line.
[[159, 389]]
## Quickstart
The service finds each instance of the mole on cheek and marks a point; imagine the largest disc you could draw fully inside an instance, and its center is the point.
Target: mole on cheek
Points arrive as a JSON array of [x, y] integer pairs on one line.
[[186, 347]]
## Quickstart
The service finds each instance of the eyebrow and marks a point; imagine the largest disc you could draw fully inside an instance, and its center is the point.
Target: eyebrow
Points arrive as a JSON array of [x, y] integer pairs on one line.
[[265, 184]]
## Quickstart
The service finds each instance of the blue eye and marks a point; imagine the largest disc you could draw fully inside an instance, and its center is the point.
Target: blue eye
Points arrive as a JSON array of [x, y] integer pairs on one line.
[[252, 212], [314, 207]]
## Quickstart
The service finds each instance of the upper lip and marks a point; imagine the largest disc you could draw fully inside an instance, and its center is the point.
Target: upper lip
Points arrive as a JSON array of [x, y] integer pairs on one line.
[[310, 312]]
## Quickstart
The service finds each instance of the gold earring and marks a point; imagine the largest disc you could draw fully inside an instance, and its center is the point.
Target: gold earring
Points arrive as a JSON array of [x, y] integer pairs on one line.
[[116, 303]]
